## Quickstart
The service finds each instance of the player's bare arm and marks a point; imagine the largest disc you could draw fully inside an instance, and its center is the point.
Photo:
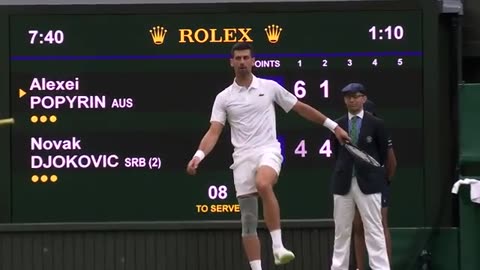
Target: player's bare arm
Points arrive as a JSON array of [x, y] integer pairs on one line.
[[310, 113], [391, 164], [207, 144]]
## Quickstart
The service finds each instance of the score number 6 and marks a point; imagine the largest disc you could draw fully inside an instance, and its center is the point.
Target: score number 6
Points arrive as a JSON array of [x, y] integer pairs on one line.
[[300, 90]]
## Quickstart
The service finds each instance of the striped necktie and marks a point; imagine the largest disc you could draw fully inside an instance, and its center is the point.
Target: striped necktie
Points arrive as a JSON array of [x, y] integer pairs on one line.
[[354, 130], [354, 135]]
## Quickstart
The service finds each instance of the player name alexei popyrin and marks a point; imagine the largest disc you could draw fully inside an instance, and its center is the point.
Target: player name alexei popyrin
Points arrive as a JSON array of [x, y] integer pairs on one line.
[[71, 101], [83, 161]]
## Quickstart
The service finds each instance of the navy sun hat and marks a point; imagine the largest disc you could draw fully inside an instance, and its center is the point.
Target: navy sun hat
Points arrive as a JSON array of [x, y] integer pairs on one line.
[[353, 88]]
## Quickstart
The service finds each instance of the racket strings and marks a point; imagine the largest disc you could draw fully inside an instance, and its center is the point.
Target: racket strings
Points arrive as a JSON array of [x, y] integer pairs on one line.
[[364, 156]]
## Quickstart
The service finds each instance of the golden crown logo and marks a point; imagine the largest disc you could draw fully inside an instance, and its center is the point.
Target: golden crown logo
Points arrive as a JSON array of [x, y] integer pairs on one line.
[[273, 33], [158, 34]]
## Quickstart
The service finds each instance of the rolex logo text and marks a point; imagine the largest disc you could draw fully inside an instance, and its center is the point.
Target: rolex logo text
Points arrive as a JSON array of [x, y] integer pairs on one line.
[[214, 35]]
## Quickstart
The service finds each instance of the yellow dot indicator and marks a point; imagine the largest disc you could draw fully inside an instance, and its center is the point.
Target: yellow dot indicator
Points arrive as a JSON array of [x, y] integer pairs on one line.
[[53, 119], [44, 178], [53, 178], [34, 178], [34, 119], [43, 119]]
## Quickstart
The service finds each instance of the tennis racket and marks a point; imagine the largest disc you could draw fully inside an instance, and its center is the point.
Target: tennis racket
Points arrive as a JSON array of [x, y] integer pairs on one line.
[[361, 155], [7, 121]]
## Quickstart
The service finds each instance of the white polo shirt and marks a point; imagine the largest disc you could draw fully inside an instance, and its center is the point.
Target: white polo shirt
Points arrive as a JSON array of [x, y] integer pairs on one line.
[[251, 112]]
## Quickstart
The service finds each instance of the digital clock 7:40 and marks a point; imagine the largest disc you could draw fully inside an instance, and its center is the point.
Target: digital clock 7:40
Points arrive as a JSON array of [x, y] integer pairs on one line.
[[48, 37]]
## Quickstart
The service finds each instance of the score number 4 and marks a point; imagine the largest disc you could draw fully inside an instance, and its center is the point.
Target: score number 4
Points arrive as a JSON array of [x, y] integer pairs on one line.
[[300, 90], [325, 149]]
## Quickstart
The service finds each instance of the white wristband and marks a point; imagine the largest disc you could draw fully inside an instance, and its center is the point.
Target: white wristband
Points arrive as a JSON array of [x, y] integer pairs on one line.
[[330, 124], [200, 154]]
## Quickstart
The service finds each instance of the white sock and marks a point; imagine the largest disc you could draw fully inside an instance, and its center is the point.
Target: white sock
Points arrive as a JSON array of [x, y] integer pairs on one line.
[[256, 265], [276, 239]]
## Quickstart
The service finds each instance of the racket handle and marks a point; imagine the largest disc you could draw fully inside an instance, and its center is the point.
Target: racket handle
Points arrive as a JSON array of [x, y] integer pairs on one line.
[[7, 121]]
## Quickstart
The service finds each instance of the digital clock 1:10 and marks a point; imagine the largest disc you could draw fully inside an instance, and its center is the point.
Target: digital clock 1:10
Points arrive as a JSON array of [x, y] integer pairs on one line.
[[388, 33]]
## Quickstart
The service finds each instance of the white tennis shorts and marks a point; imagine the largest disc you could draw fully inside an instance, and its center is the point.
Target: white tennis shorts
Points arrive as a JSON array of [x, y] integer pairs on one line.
[[245, 166]]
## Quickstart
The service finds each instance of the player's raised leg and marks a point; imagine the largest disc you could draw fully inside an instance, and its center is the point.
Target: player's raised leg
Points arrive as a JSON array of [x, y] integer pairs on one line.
[[251, 243], [266, 177]]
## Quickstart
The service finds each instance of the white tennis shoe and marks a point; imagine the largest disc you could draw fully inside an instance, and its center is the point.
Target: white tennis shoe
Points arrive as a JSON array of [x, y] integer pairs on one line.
[[283, 256]]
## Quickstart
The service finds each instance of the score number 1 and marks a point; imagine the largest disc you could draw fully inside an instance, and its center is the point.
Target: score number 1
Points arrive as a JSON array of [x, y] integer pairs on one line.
[[300, 90]]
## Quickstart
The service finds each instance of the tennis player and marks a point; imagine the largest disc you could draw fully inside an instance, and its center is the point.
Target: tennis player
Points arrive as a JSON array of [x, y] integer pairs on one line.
[[248, 106], [356, 183], [358, 232]]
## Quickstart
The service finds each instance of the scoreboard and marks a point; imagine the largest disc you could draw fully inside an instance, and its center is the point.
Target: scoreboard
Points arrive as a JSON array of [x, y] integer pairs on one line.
[[111, 105]]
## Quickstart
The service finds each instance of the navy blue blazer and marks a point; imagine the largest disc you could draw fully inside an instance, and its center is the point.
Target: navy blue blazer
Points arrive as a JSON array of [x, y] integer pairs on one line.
[[373, 138]]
